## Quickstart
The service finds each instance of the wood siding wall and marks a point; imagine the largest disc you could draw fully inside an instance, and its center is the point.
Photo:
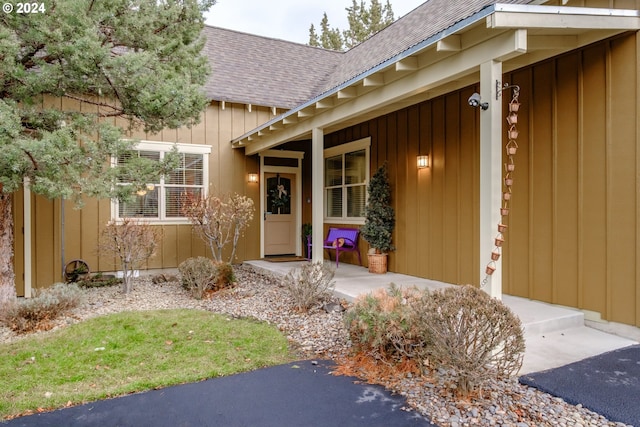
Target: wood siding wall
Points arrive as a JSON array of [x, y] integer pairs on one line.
[[574, 233], [436, 232], [574, 224], [228, 169]]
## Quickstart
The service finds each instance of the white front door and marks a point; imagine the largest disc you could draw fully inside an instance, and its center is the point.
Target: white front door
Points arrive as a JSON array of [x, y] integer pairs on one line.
[[279, 214]]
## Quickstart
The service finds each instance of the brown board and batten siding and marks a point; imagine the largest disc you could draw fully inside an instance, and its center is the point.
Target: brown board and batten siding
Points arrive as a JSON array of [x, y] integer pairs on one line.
[[228, 169], [436, 233], [574, 234], [574, 221]]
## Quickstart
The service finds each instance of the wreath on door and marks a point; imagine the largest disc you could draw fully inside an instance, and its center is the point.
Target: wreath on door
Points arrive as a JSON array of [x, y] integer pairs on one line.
[[279, 195]]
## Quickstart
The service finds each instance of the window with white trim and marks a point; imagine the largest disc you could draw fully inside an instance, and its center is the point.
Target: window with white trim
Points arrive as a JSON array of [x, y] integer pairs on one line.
[[346, 174], [162, 201]]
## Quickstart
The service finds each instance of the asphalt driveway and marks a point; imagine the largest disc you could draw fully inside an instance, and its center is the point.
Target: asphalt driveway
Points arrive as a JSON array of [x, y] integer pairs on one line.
[[300, 394]]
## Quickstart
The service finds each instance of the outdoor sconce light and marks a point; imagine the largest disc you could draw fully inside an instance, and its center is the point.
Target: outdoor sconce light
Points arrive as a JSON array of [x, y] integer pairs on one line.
[[253, 178], [476, 101], [423, 162]]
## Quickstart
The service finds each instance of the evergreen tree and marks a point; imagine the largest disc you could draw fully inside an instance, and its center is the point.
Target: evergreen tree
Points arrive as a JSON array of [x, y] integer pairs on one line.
[[68, 73], [379, 215], [329, 38], [363, 23]]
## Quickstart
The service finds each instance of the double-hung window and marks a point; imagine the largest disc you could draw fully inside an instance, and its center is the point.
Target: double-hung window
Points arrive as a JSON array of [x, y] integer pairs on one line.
[[162, 201], [346, 174]]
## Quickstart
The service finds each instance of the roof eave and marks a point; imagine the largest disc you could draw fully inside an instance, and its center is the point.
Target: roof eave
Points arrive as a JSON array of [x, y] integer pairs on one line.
[[498, 17]]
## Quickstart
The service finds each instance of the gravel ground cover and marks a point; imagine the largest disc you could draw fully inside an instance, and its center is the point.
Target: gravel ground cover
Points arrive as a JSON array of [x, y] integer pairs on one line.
[[321, 333]]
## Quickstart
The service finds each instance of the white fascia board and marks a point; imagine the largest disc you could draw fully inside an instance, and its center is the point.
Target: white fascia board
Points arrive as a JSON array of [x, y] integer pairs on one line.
[[507, 45], [549, 17]]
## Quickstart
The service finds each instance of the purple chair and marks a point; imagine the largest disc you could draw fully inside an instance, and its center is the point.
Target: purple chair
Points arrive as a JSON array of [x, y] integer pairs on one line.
[[340, 240]]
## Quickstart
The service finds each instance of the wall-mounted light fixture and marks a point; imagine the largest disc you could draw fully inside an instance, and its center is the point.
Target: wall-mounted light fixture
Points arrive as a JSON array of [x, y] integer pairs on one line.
[[253, 178], [476, 101], [423, 162]]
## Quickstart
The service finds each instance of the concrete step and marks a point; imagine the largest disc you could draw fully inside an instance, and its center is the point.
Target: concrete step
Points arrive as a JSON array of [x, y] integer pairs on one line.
[[539, 317]]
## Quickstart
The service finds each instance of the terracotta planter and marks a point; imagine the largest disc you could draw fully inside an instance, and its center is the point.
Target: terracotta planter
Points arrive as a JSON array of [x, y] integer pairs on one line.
[[514, 107], [495, 256], [506, 195], [513, 133], [502, 227], [377, 263], [504, 211], [499, 241], [512, 118], [508, 181], [512, 147], [510, 167]]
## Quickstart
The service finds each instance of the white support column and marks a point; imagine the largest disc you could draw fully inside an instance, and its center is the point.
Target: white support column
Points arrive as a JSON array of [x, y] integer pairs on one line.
[[263, 206], [490, 173], [27, 237], [317, 189]]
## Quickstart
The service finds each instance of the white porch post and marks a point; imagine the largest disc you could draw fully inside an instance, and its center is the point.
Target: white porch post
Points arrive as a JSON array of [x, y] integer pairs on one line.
[[317, 189], [27, 237], [490, 172]]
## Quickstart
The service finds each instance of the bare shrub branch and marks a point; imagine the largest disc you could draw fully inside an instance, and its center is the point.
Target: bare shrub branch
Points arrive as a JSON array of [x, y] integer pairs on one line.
[[132, 243], [474, 337], [309, 285], [219, 221], [197, 274]]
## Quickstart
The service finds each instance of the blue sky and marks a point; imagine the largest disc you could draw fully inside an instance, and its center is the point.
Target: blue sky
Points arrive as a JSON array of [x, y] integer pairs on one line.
[[288, 19]]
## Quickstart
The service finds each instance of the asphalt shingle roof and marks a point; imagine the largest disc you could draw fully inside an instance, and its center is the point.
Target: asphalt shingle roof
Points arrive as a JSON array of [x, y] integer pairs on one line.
[[258, 70], [270, 72]]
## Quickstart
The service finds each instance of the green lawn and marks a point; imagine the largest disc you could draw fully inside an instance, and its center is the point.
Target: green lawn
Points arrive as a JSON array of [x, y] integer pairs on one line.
[[129, 352]]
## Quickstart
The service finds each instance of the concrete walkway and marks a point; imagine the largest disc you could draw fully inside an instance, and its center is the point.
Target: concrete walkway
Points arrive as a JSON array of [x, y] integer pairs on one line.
[[555, 336]]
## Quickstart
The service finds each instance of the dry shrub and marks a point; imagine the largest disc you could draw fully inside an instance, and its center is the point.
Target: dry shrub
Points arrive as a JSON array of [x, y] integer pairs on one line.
[[196, 275], [132, 243], [467, 336], [473, 337], [383, 325], [219, 220], [224, 276], [309, 285], [39, 312]]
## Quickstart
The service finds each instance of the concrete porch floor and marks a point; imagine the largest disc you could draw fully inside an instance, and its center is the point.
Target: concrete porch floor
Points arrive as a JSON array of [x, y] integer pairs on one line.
[[554, 335]]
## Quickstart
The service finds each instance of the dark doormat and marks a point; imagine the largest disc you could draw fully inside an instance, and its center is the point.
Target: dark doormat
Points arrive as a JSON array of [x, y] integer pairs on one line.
[[608, 384], [284, 258]]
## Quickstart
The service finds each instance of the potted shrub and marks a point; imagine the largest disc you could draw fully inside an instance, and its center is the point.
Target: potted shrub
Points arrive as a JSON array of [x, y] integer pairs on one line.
[[379, 221]]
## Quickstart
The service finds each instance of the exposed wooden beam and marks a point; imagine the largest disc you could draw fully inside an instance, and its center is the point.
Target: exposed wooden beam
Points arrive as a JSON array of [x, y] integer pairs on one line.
[[324, 103], [307, 112], [373, 80], [407, 64], [507, 45], [274, 111], [276, 126], [249, 107], [289, 120], [347, 93], [452, 43], [552, 42]]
